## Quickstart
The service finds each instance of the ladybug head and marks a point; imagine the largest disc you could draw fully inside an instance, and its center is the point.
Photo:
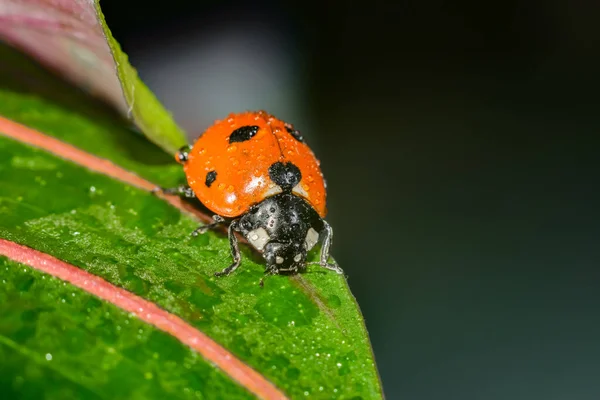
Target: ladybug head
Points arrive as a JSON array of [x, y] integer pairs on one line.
[[290, 256], [284, 228]]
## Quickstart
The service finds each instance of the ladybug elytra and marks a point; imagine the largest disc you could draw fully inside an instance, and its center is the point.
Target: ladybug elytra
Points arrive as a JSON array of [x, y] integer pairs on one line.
[[256, 173]]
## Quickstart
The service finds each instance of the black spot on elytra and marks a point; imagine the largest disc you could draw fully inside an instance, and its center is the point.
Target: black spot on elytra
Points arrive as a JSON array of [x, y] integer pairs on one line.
[[244, 133], [286, 175], [210, 178], [295, 134]]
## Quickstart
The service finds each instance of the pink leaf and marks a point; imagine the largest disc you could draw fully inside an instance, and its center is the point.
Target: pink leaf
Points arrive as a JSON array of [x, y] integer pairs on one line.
[[64, 35], [71, 37]]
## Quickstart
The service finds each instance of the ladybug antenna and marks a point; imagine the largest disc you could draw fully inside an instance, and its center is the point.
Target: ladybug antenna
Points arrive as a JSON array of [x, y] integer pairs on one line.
[[268, 273]]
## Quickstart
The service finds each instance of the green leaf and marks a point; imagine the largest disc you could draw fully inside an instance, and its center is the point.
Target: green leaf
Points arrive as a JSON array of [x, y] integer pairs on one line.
[[75, 41], [304, 333], [59, 342]]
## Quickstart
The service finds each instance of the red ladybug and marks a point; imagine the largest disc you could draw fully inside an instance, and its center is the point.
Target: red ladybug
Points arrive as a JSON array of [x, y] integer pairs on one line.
[[256, 173]]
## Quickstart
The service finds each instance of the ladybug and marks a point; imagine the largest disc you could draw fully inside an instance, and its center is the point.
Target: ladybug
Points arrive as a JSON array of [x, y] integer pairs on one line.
[[257, 174]]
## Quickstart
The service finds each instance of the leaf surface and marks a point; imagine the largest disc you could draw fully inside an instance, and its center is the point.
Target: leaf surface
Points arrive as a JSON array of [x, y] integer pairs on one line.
[[305, 333], [59, 342]]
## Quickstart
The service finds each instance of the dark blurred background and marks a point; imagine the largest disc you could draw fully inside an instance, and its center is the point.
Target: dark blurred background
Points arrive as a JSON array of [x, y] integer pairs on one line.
[[460, 144]]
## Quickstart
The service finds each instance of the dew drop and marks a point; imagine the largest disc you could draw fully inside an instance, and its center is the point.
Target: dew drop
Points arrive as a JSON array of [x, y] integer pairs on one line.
[[48, 357]]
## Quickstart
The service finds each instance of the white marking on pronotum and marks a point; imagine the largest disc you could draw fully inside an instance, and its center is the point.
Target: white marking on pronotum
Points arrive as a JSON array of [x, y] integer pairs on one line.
[[279, 260], [298, 189], [273, 189], [298, 257], [258, 238], [312, 237]]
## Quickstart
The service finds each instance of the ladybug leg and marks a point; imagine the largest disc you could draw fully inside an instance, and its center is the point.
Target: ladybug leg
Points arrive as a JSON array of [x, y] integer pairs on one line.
[[182, 190], [235, 250], [205, 228], [327, 239], [182, 155]]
